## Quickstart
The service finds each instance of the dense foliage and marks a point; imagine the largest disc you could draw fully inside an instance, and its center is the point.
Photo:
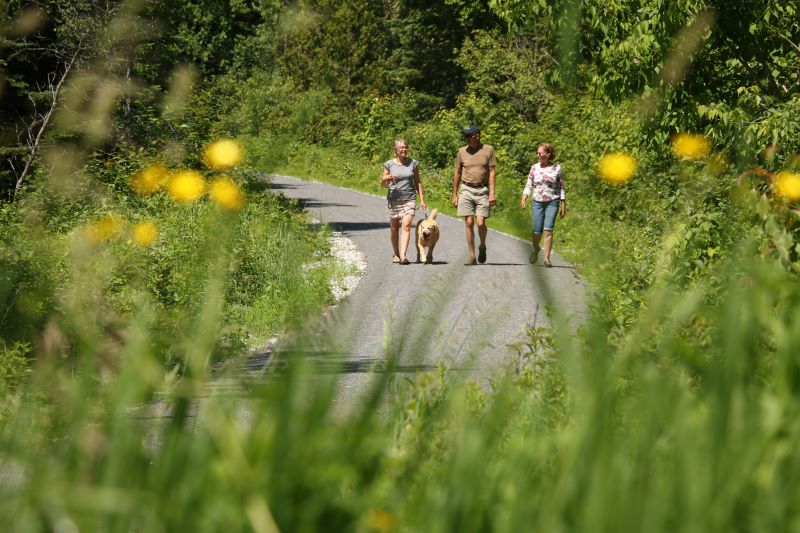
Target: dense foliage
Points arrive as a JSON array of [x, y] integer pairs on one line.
[[104, 104]]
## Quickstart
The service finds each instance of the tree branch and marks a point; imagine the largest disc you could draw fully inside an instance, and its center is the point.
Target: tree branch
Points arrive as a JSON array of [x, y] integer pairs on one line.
[[34, 142], [793, 45]]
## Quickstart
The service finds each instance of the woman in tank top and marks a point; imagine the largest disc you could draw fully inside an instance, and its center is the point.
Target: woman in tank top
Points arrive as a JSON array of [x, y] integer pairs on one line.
[[401, 177]]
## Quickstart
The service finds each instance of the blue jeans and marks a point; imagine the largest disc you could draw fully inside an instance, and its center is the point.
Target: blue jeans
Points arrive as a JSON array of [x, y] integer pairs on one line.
[[544, 215]]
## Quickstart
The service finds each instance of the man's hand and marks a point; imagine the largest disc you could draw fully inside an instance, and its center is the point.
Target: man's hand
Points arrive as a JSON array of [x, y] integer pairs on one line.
[[455, 200], [492, 200]]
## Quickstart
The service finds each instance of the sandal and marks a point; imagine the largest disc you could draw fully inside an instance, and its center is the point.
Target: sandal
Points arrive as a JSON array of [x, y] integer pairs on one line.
[[405, 261], [395, 259]]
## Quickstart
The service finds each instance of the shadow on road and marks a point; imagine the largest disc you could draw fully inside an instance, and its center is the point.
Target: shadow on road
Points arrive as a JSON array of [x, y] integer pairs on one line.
[[278, 186], [490, 263], [311, 204], [326, 362], [358, 226]]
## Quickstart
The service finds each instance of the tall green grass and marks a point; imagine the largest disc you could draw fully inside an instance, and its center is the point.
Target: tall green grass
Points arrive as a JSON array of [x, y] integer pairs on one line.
[[661, 432]]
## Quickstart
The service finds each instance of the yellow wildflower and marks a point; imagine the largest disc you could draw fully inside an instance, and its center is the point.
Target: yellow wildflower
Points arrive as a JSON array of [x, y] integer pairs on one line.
[[380, 520], [227, 194], [150, 179], [788, 185], [104, 228], [144, 233], [616, 168], [690, 145], [186, 186], [223, 155]]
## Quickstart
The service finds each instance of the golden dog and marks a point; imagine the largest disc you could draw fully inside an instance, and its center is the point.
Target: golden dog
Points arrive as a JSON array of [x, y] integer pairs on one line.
[[427, 236]]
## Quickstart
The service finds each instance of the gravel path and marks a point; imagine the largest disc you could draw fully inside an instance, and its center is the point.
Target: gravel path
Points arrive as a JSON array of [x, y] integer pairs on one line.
[[466, 317]]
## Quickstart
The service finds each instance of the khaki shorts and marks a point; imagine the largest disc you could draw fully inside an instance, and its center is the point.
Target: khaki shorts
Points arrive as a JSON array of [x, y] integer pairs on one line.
[[472, 201], [401, 208]]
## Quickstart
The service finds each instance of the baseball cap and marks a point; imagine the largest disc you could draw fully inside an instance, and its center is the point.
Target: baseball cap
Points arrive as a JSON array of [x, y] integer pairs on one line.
[[470, 130]]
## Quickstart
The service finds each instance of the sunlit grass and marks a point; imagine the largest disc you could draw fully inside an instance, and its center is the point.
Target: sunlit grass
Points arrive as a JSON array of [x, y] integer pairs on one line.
[[558, 440]]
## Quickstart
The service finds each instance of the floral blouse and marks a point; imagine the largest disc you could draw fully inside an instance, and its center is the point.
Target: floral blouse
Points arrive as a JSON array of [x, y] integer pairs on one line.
[[546, 183]]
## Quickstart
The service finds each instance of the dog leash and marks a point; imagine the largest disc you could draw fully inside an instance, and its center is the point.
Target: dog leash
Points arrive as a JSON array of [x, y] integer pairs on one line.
[[424, 212]]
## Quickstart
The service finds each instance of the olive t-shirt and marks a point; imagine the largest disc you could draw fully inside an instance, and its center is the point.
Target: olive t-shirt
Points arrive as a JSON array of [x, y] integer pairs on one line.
[[475, 164]]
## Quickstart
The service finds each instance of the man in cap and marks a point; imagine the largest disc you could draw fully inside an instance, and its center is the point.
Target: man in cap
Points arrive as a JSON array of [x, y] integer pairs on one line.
[[474, 171]]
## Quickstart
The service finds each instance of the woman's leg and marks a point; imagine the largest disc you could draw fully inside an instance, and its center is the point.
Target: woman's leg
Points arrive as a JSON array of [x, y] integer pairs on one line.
[[548, 244], [537, 217], [394, 230], [549, 225], [405, 235], [536, 238]]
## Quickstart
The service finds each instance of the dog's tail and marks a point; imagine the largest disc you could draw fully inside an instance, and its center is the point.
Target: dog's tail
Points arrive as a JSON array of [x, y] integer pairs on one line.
[[433, 214]]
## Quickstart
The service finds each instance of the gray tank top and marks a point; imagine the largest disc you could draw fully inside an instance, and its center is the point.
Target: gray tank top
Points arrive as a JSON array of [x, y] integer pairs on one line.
[[403, 188]]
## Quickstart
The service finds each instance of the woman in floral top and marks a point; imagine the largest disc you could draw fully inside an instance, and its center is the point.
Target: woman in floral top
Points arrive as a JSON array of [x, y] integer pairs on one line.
[[545, 186]]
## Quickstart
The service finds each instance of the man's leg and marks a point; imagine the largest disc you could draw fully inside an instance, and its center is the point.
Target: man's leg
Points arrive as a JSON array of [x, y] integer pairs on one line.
[[469, 222], [482, 236]]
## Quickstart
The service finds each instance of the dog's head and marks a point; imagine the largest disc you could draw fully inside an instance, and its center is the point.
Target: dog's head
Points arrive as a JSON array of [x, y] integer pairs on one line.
[[429, 228]]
